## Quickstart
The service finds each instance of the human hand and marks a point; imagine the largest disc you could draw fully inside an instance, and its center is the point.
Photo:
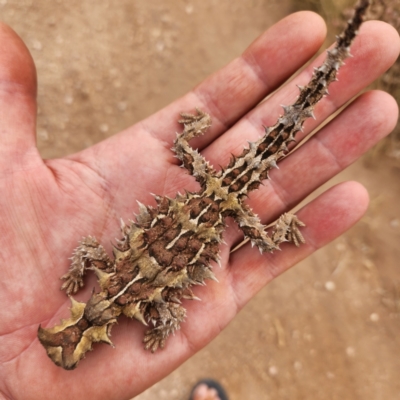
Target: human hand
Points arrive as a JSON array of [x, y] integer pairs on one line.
[[47, 205]]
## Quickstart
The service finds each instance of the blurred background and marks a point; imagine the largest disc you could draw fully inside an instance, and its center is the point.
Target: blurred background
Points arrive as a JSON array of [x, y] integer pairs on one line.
[[327, 329]]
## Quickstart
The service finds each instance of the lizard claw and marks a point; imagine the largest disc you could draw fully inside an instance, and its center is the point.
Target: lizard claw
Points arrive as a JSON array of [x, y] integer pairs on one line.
[[73, 282], [154, 339]]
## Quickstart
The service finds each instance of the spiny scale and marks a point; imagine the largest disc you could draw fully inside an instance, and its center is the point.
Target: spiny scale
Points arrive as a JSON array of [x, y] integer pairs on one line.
[[170, 247]]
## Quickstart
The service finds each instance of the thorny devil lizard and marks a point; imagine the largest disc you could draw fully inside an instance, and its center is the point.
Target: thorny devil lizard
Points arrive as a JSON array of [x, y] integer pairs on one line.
[[169, 248]]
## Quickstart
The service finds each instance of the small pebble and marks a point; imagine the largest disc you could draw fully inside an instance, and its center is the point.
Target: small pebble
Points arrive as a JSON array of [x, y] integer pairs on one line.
[[374, 317], [122, 105], [330, 286], [340, 247], [330, 375], [298, 365], [273, 371], [104, 128], [37, 45], [68, 99], [350, 351]]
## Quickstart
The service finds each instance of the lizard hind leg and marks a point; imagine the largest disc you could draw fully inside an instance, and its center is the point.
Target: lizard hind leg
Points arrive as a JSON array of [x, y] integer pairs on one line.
[[285, 229], [88, 254], [166, 318]]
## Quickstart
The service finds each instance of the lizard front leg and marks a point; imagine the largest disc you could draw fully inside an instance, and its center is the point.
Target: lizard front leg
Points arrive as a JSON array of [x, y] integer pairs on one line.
[[166, 319], [88, 254], [194, 125]]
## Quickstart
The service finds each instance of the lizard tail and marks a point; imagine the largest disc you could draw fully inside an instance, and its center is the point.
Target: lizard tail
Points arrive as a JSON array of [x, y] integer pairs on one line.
[[67, 343], [246, 172]]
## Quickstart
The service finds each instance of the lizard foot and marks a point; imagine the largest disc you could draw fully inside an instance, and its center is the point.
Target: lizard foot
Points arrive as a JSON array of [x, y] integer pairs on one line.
[[286, 229], [194, 124], [154, 339], [73, 281]]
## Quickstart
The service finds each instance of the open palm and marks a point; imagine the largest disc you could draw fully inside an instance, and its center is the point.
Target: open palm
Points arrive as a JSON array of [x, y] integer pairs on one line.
[[46, 206]]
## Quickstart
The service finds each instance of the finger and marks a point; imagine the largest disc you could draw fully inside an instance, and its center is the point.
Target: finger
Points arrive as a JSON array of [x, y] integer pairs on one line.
[[375, 38], [17, 99], [371, 117], [233, 90], [326, 218], [374, 51]]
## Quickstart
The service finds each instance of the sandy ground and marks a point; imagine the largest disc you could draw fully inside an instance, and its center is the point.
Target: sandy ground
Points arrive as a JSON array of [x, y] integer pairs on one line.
[[327, 329]]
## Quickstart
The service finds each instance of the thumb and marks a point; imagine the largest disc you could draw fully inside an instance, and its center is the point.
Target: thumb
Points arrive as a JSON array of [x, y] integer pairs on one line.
[[17, 101]]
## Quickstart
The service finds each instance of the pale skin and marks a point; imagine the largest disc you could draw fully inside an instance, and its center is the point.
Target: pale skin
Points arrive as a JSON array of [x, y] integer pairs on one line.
[[203, 392], [46, 206]]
